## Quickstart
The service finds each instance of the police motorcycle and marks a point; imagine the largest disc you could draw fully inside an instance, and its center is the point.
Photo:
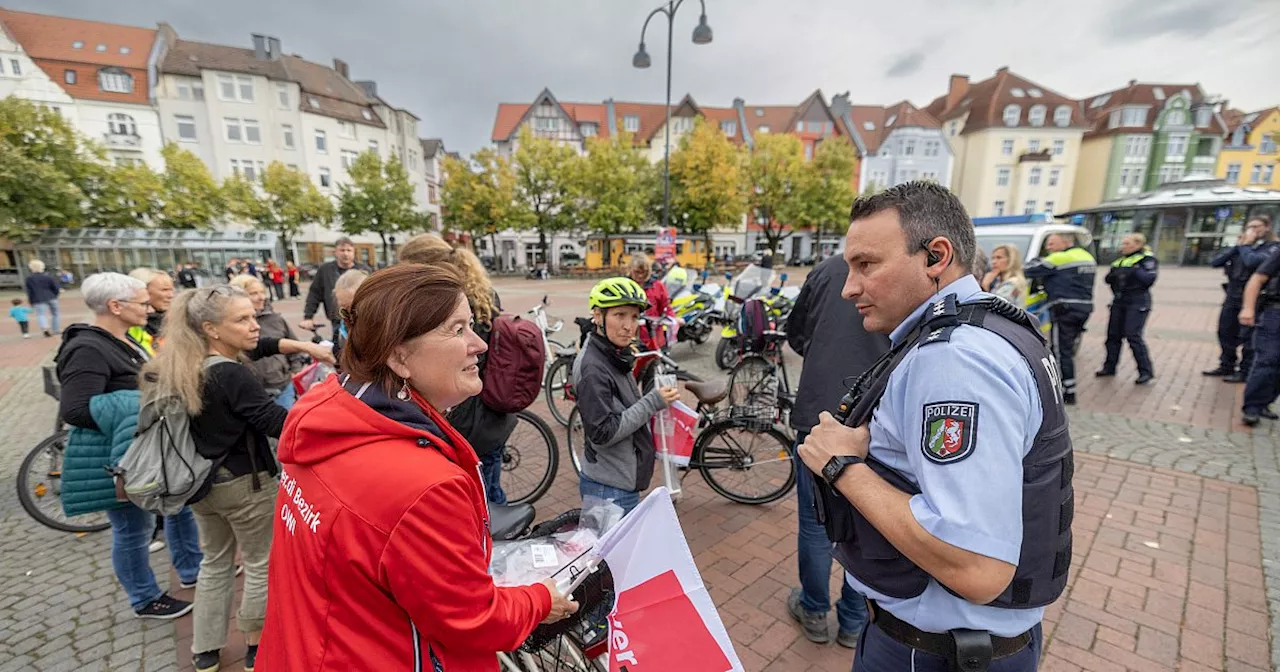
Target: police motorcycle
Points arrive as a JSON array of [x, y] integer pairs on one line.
[[754, 281], [700, 306]]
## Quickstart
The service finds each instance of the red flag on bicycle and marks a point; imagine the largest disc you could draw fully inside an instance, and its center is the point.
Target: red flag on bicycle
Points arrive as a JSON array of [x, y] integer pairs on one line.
[[664, 618]]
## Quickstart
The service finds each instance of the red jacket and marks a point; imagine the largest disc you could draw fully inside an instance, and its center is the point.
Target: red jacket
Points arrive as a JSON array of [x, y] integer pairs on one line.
[[659, 307], [380, 559]]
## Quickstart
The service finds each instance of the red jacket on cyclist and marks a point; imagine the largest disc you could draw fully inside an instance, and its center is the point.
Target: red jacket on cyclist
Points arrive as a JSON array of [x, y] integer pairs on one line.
[[659, 302]]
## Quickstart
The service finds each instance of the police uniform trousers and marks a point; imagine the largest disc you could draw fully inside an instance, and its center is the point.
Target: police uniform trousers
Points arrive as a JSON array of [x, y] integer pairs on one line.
[[878, 652], [1068, 324], [1234, 336], [1128, 318], [1263, 383]]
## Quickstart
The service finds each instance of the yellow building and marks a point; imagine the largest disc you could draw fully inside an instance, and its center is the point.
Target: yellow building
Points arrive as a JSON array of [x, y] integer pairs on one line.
[[1249, 157]]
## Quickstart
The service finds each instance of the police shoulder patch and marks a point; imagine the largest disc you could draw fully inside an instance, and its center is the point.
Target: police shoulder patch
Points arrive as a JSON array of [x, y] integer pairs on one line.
[[949, 431]]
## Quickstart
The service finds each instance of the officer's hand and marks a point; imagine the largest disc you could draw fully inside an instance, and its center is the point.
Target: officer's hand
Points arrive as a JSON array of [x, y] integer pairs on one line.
[[1247, 317], [830, 438], [1248, 237]]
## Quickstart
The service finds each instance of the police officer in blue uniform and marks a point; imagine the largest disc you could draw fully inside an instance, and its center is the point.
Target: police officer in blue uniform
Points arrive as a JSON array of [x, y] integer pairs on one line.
[[947, 487], [1239, 262], [1067, 272], [1260, 310], [1130, 278]]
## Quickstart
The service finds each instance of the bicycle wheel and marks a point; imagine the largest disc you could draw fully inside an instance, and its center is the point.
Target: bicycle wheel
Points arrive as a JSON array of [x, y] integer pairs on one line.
[[753, 382], [562, 654], [745, 465], [727, 352], [577, 440], [529, 460], [559, 389], [40, 489]]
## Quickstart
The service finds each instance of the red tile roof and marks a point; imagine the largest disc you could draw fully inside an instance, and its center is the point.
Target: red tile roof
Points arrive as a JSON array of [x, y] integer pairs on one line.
[[903, 114], [1234, 118], [986, 100], [50, 42], [1097, 109]]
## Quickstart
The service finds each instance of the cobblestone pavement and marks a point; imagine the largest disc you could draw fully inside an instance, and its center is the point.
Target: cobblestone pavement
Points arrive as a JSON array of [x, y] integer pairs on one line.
[[1177, 556]]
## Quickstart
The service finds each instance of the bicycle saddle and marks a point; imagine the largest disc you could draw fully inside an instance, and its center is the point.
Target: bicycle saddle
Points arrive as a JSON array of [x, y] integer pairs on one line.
[[710, 392], [508, 521]]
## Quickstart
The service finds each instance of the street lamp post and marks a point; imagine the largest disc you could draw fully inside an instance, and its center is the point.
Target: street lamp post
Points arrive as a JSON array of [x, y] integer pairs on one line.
[[701, 35]]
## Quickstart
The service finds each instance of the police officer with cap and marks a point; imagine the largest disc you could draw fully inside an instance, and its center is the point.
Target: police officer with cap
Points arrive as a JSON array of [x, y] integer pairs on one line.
[[1239, 262], [947, 487], [1130, 277], [1068, 272], [1261, 311]]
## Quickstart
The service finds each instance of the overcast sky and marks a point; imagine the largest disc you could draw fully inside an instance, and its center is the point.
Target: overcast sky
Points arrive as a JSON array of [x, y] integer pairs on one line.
[[452, 61]]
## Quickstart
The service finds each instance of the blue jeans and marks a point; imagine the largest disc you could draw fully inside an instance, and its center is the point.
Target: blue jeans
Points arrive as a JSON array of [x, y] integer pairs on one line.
[[626, 499], [877, 652], [491, 472], [45, 312], [131, 530], [1264, 377], [814, 558], [287, 396]]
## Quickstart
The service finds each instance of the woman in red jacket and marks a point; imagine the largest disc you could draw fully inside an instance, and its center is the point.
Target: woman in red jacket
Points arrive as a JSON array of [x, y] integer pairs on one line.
[[382, 547]]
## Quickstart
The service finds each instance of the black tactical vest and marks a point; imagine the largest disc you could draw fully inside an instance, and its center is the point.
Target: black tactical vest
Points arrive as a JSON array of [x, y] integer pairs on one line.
[[1047, 497]]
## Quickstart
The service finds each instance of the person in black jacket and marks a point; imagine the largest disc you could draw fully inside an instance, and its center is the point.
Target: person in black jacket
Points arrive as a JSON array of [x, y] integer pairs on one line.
[[42, 294], [1239, 262], [827, 331], [1130, 278], [321, 292], [232, 417]]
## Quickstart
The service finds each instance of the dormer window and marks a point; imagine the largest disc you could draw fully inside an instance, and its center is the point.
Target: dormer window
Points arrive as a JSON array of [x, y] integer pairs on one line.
[[368, 116], [1036, 115], [115, 80], [1062, 116], [1012, 115]]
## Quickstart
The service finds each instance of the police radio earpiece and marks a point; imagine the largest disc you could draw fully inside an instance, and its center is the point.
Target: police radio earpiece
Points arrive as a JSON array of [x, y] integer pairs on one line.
[[931, 256]]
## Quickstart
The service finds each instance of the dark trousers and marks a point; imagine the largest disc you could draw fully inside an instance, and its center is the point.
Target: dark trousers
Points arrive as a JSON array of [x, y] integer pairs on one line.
[[1263, 383], [1068, 324], [491, 471], [293, 288], [877, 652], [1232, 335], [1126, 324], [813, 554], [25, 327]]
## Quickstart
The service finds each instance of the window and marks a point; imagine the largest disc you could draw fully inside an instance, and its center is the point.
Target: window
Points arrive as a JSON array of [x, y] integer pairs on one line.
[[1006, 147], [729, 128], [115, 81], [1059, 146], [1033, 146], [246, 88], [121, 124], [15, 67], [346, 129], [1033, 178], [373, 146], [953, 128], [907, 176], [183, 90], [808, 151], [368, 116], [1268, 145], [101, 48], [1137, 146], [1114, 119], [1255, 175], [1054, 175], [282, 92], [248, 169], [998, 209], [1175, 117], [226, 87], [1029, 208], [348, 158], [1158, 92], [1062, 115], [1177, 148], [239, 87], [69, 76], [315, 102], [197, 90], [1012, 113], [1133, 116], [1002, 177], [324, 177], [1018, 93], [908, 147], [1233, 173], [1203, 115], [322, 145], [931, 175], [234, 132], [763, 129], [682, 124], [78, 44], [293, 166], [1124, 177], [892, 118], [186, 127], [1036, 115], [879, 178], [125, 50], [631, 123], [799, 127], [931, 147], [1048, 207], [589, 129], [252, 134], [1267, 172], [286, 135], [1171, 173]]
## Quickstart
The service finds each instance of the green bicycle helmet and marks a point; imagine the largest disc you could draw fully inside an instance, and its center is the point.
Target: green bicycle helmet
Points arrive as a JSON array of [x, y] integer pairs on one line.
[[619, 291]]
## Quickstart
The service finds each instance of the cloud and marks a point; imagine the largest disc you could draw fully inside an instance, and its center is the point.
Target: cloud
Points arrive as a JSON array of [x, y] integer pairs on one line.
[[1142, 19], [906, 64]]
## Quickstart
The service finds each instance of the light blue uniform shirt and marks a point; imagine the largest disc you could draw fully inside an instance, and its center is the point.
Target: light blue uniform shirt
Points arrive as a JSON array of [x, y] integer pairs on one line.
[[973, 502]]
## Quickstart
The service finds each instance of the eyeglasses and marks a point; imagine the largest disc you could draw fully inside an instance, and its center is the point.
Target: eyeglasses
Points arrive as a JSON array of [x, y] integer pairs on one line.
[[139, 303]]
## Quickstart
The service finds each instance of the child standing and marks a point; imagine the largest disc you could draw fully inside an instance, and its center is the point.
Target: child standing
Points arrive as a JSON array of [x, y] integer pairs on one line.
[[22, 314]]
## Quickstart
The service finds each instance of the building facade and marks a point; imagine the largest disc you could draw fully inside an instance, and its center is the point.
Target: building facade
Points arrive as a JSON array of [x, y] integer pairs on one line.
[[898, 143], [1016, 144], [1249, 156], [1142, 136]]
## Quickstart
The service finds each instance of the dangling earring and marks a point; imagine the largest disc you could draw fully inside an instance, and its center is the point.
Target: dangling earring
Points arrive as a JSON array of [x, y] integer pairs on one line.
[[403, 394]]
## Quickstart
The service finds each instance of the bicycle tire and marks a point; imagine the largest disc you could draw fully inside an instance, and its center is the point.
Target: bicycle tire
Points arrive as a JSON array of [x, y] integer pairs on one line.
[[747, 381], [26, 490], [708, 471], [553, 459], [565, 389], [576, 446]]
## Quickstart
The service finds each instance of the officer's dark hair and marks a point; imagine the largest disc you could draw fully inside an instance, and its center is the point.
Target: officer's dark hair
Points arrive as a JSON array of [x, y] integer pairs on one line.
[[927, 210]]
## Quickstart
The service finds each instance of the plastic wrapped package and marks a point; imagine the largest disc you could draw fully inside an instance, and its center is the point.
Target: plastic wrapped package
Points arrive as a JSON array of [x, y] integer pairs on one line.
[[527, 561]]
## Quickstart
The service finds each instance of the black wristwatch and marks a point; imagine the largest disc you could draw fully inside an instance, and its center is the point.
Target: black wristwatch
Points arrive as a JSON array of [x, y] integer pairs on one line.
[[836, 466]]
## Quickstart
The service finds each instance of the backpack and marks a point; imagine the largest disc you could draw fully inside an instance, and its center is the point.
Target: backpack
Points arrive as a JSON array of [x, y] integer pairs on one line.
[[161, 471], [753, 321], [514, 365]]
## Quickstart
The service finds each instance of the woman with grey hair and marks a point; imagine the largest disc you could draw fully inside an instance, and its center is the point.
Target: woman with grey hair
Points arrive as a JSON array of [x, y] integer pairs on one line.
[[98, 366], [42, 294]]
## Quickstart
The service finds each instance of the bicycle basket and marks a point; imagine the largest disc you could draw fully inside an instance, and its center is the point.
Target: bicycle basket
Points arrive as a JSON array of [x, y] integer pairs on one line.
[[594, 597], [753, 418]]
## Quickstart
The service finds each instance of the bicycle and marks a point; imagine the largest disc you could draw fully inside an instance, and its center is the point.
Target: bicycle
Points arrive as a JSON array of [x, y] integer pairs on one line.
[[731, 447], [533, 446], [40, 477], [759, 384]]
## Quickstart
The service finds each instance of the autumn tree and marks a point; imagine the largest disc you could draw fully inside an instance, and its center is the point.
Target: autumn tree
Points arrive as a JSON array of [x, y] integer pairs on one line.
[[48, 171], [706, 183], [545, 171], [826, 192], [379, 198], [479, 197], [774, 178], [192, 199], [284, 201], [611, 188]]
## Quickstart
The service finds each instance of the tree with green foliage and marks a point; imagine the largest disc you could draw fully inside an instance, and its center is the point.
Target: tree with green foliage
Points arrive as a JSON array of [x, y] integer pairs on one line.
[[827, 189], [379, 198], [609, 188], [126, 196], [48, 171], [284, 201], [545, 173], [478, 198], [191, 197], [774, 178], [706, 183]]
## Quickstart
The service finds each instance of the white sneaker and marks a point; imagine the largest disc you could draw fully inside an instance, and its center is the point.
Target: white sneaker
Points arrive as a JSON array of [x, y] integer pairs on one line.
[[26, 335], [155, 546]]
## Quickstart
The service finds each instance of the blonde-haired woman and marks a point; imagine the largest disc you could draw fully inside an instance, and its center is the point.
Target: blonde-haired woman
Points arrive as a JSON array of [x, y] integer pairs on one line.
[[1005, 279], [484, 428], [276, 371], [207, 332]]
